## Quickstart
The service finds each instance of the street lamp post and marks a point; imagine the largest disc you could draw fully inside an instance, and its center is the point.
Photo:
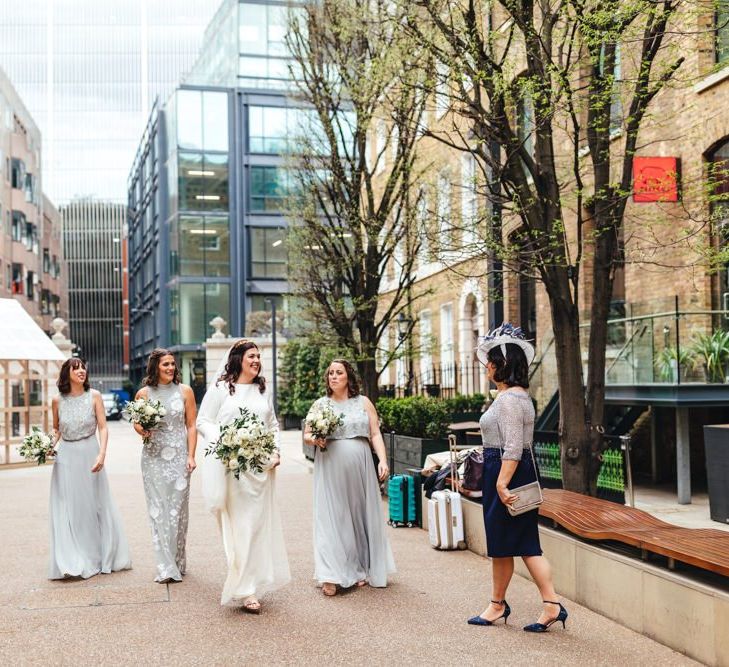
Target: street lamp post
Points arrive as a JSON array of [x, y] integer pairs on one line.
[[273, 351], [404, 329]]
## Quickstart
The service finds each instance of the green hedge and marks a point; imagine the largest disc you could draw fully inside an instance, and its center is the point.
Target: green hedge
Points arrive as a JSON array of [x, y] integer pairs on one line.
[[473, 403], [417, 416]]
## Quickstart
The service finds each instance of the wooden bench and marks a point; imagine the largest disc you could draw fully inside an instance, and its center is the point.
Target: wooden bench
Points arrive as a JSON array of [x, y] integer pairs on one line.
[[597, 519]]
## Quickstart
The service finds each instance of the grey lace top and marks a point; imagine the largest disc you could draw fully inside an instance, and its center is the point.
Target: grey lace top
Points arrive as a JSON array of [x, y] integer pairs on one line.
[[76, 416], [509, 424], [172, 430], [356, 421]]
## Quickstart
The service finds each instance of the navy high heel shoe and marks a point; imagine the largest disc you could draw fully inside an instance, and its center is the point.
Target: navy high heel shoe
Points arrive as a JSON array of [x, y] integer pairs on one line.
[[478, 620], [543, 627]]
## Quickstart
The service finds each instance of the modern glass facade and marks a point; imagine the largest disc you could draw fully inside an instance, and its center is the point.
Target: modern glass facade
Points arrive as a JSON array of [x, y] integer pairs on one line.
[[207, 192], [89, 71]]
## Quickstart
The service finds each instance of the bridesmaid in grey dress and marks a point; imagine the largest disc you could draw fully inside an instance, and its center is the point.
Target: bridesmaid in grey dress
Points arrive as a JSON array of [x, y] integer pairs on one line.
[[167, 461], [350, 542], [86, 530]]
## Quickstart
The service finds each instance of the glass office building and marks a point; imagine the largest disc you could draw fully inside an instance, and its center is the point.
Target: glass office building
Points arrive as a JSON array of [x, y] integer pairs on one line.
[[89, 72], [207, 235]]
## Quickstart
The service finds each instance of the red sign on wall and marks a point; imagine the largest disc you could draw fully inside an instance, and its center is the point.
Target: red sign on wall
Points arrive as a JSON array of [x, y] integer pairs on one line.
[[655, 179]]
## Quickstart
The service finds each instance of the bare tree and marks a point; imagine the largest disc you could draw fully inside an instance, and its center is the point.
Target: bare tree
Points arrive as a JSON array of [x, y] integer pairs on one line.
[[352, 214], [555, 93]]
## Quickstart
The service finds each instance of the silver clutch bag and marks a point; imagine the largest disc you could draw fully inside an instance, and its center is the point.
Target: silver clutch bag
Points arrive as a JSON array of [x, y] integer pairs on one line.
[[529, 498]]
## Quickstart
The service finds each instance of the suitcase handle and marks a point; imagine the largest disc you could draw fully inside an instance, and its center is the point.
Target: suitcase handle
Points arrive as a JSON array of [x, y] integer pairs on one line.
[[454, 462]]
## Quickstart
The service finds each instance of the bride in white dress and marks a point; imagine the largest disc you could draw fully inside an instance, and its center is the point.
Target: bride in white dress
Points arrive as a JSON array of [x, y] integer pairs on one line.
[[245, 508]]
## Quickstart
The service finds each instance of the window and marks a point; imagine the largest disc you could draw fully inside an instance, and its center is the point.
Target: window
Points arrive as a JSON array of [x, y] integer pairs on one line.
[[383, 350], [423, 227], [16, 286], [17, 174], [29, 284], [426, 347], [447, 355], [443, 210], [18, 227], [380, 147], [202, 120], [268, 129], [468, 197], [525, 125], [56, 267], [394, 143], [203, 182], [200, 246], [192, 306], [616, 103], [46, 261], [268, 189], [722, 31], [268, 257], [29, 187], [442, 89], [261, 37], [45, 302]]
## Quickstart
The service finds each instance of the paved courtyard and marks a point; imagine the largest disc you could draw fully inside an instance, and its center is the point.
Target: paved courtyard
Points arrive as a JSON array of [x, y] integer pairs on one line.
[[126, 618]]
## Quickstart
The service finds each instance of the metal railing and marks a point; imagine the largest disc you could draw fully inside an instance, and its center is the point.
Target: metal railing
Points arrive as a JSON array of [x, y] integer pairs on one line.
[[440, 381]]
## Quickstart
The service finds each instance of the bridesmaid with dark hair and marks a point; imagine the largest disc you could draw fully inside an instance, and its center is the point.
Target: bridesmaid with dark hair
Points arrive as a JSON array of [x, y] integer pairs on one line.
[[167, 461], [245, 508], [86, 530]]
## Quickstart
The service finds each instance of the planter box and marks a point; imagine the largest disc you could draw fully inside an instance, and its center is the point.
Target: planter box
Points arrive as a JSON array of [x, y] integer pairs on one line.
[[411, 452], [716, 447], [292, 423]]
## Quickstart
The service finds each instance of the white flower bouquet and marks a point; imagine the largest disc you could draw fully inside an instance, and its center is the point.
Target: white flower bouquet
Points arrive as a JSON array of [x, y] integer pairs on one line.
[[246, 443], [36, 446], [323, 421], [145, 412]]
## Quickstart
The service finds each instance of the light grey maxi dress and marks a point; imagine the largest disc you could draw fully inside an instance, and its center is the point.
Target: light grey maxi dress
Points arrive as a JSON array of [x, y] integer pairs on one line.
[[167, 483], [350, 540], [87, 536]]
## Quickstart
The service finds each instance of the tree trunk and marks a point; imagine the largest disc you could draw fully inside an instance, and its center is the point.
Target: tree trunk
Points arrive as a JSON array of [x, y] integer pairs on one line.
[[368, 375], [573, 429]]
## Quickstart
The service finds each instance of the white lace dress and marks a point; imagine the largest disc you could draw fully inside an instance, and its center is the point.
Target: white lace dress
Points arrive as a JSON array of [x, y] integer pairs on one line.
[[248, 516], [350, 539], [87, 536]]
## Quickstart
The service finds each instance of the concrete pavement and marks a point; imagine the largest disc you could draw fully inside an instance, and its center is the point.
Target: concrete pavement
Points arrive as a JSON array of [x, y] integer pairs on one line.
[[126, 618]]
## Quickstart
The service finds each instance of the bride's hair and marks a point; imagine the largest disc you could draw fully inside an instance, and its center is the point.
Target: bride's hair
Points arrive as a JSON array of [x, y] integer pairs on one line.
[[235, 365], [352, 381]]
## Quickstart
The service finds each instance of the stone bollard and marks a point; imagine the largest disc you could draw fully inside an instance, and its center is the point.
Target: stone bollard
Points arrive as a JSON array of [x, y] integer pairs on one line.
[[62, 343]]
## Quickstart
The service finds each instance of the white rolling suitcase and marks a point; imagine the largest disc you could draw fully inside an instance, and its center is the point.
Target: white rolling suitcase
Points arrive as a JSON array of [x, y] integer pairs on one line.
[[445, 513]]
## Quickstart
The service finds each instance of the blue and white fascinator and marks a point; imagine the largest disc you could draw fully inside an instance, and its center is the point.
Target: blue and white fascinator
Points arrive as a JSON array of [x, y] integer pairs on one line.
[[506, 333]]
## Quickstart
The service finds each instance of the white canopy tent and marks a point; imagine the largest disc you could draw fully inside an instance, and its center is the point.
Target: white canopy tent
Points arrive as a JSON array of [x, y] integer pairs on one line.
[[29, 365]]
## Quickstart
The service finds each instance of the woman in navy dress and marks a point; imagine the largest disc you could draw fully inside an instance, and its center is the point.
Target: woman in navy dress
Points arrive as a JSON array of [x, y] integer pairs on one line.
[[507, 429]]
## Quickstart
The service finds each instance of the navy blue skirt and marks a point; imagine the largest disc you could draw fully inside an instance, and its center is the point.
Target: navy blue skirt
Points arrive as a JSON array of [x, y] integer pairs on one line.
[[508, 535]]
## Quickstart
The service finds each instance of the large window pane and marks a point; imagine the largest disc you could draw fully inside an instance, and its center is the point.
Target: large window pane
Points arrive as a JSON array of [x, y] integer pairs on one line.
[[215, 114], [268, 186], [217, 302], [189, 119], [203, 182], [268, 129], [268, 257], [191, 244], [192, 313], [217, 246], [252, 28]]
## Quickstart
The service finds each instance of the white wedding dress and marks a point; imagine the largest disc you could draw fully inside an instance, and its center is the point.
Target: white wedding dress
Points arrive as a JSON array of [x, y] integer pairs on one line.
[[246, 508]]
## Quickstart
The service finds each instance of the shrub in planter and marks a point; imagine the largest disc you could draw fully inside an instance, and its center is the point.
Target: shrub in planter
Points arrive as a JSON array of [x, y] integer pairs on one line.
[[416, 416], [669, 360], [712, 351], [465, 406]]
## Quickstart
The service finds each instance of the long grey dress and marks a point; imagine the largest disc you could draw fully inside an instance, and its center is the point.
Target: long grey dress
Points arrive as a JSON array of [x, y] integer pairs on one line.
[[350, 542], [167, 483], [87, 536]]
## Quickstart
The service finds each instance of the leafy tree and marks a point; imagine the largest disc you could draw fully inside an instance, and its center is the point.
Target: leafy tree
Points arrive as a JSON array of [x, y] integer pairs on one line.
[[550, 98], [352, 218]]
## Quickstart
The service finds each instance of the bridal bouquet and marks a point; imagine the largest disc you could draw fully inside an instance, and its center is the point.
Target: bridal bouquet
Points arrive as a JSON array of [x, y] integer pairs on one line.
[[36, 446], [323, 421], [246, 443], [145, 412]]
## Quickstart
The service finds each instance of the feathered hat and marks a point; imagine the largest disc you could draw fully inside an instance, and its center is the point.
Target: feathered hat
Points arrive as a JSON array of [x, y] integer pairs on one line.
[[506, 333]]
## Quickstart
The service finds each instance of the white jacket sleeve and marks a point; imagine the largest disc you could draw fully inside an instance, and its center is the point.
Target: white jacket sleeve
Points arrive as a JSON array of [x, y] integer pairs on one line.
[[213, 471]]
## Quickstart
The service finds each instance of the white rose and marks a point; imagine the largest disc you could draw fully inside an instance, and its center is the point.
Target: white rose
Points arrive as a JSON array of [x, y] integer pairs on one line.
[[233, 464], [321, 424], [162, 412], [148, 410], [241, 452]]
